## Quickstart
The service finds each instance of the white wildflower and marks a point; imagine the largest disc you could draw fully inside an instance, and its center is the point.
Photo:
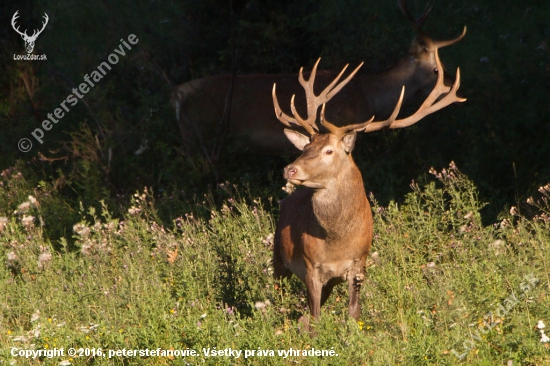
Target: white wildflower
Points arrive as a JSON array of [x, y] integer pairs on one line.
[[35, 316], [24, 207], [81, 230], [540, 324], [375, 256], [133, 210], [43, 259], [268, 241], [33, 201], [3, 223], [12, 257], [65, 363], [27, 221]]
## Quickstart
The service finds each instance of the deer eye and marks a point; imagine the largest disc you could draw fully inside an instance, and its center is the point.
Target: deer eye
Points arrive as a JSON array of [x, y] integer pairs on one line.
[[436, 70], [329, 152]]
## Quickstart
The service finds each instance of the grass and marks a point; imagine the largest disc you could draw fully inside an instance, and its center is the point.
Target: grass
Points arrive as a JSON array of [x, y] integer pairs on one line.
[[204, 282]]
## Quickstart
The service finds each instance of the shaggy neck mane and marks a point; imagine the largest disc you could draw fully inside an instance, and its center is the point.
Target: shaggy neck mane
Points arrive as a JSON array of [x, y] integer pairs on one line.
[[339, 207]]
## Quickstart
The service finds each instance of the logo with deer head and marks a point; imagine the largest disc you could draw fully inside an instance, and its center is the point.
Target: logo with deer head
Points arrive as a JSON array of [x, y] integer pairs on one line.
[[29, 40]]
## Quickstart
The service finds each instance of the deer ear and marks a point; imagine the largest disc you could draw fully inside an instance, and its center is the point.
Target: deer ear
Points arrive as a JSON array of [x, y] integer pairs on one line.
[[349, 141], [299, 140]]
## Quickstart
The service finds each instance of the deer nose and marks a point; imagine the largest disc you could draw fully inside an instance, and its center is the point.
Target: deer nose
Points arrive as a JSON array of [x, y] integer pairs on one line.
[[290, 172]]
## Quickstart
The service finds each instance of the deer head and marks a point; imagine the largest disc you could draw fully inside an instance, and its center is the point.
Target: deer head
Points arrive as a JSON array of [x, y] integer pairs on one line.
[[29, 40], [424, 48]]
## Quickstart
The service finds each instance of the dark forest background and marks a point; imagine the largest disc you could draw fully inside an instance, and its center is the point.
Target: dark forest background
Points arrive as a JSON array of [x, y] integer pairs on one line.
[[500, 137]]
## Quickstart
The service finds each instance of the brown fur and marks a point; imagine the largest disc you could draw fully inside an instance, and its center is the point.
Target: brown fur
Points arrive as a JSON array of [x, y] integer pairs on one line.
[[324, 233], [200, 103]]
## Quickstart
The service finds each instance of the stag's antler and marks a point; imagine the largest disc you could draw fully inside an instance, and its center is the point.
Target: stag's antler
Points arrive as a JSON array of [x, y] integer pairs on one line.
[[431, 45], [428, 107], [313, 101]]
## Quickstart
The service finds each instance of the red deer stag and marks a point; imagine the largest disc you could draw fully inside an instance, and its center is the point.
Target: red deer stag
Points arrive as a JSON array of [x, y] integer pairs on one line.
[[202, 104], [325, 229]]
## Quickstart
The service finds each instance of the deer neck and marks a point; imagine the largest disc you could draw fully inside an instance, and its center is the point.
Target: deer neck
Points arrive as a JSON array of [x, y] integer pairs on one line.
[[340, 205]]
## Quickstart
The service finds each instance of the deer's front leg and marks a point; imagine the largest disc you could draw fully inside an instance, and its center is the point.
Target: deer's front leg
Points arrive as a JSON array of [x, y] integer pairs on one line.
[[314, 290], [355, 281]]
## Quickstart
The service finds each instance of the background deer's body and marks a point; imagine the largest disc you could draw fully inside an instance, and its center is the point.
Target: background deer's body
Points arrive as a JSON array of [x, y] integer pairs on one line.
[[200, 103]]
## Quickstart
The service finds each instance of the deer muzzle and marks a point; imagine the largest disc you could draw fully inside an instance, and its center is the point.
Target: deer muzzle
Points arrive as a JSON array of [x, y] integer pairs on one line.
[[292, 174]]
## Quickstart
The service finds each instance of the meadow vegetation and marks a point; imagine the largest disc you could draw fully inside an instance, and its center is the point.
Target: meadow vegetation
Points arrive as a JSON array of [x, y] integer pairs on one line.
[[111, 237], [204, 281]]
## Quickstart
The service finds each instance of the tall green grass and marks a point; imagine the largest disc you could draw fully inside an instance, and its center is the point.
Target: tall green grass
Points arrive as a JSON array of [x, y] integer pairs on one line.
[[204, 281]]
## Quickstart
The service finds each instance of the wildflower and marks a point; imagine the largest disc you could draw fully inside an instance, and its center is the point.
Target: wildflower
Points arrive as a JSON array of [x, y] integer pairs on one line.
[[24, 207], [81, 230], [133, 210], [540, 325], [203, 316], [543, 337], [43, 259], [65, 363], [3, 223], [513, 211], [27, 221], [12, 257], [268, 241], [35, 316], [262, 305], [33, 201]]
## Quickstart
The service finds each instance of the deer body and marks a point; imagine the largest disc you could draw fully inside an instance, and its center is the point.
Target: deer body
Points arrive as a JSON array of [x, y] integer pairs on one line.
[[200, 104], [325, 231]]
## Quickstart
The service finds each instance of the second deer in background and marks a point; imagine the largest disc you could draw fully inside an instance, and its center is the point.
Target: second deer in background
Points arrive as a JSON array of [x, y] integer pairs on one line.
[[201, 105]]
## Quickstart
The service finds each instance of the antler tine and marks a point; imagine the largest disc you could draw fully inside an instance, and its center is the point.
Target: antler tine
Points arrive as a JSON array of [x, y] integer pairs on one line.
[[331, 91], [418, 22], [341, 131], [428, 107], [440, 44], [329, 126], [313, 101], [308, 124], [281, 116]]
